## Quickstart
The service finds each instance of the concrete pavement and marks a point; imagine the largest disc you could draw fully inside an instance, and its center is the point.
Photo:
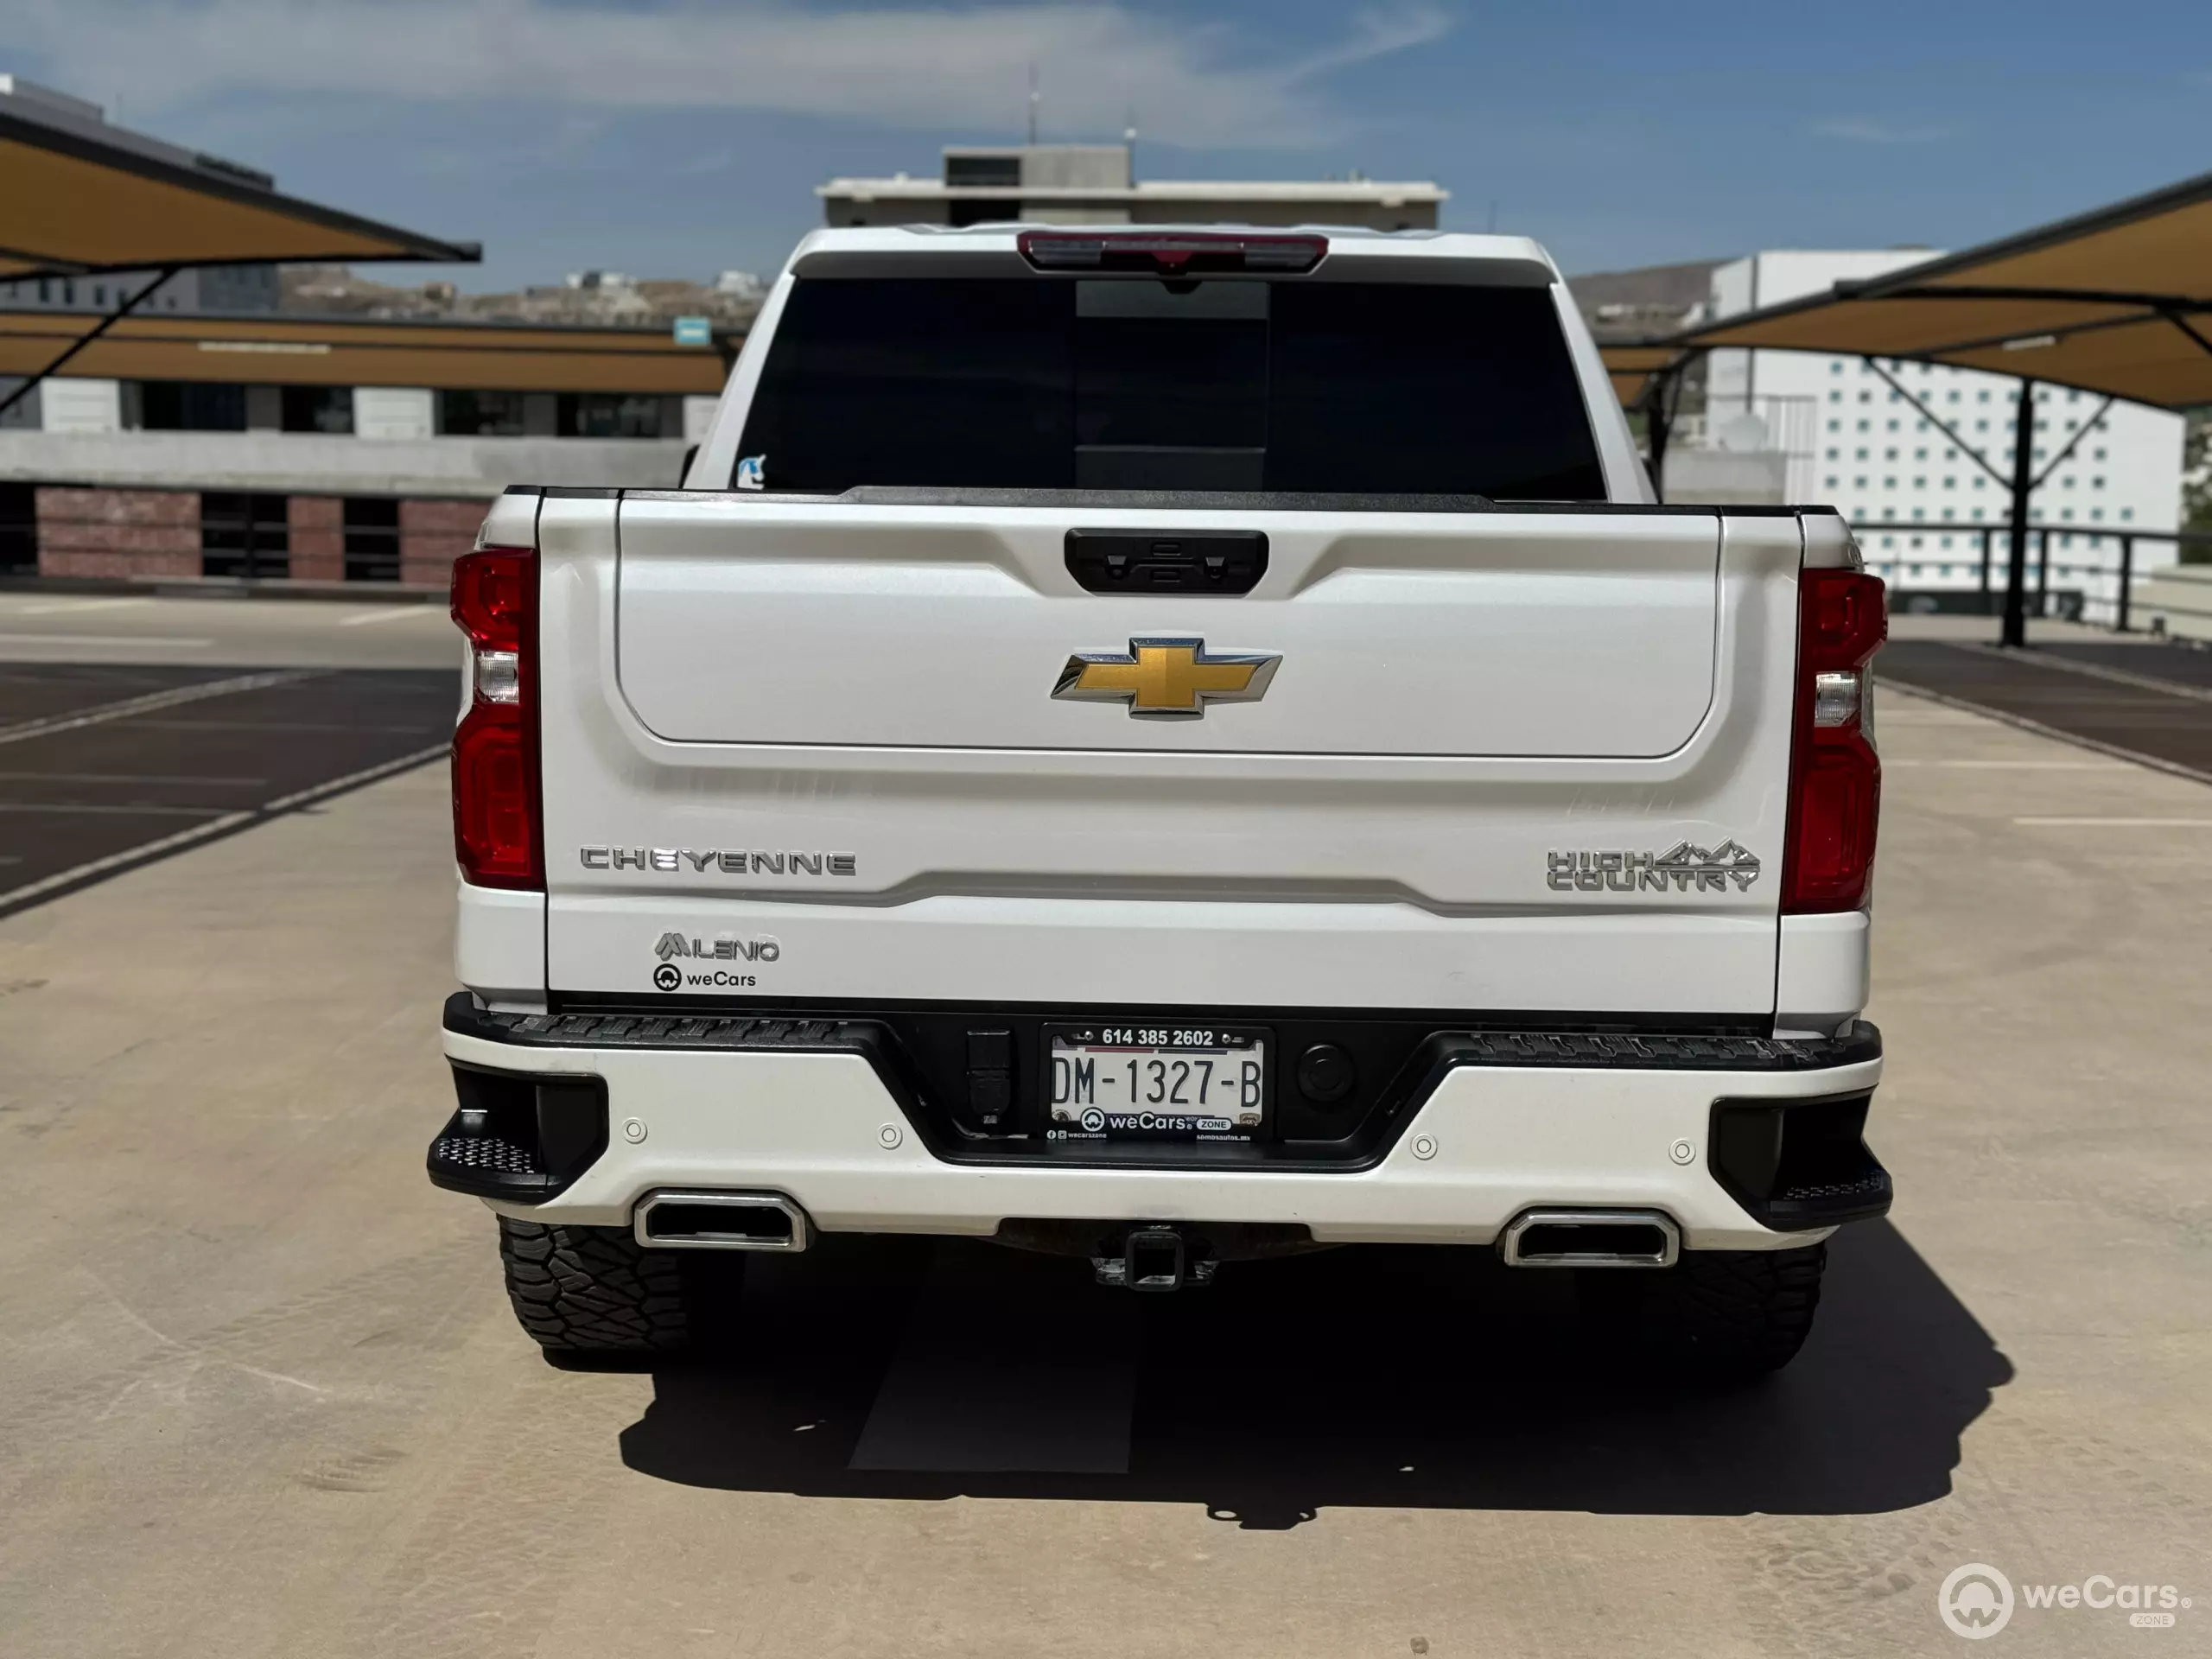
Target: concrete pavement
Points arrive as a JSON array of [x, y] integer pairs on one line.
[[261, 1395]]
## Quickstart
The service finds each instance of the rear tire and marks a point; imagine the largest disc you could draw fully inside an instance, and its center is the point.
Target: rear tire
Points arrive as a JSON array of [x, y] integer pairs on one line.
[[597, 1290], [1716, 1314]]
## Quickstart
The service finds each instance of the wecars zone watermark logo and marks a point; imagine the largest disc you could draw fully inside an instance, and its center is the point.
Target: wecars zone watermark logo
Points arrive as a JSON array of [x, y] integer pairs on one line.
[[1977, 1601], [724, 947]]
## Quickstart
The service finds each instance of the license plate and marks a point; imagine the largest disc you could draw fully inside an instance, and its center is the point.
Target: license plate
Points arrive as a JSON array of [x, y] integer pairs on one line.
[[1191, 1082]]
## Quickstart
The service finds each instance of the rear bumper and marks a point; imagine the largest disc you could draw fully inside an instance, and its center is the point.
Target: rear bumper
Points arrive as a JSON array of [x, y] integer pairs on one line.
[[1499, 1122]]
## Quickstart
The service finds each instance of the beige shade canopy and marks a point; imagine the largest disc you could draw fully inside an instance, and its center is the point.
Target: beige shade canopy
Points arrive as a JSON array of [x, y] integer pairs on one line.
[[2118, 300], [1632, 367], [77, 197], [271, 350]]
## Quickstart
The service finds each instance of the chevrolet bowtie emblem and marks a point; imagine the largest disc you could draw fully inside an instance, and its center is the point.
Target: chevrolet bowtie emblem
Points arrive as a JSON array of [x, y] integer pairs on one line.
[[1166, 678]]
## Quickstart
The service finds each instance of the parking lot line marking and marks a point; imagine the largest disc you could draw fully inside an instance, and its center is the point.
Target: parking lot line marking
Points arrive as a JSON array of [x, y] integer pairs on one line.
[[125, 777], [2094, 671], [392, 613], [70, 606], [2117, 824], [99, 714], [146, 852], [110, 810], [2016, 766], [173, 640], [2021, 722]]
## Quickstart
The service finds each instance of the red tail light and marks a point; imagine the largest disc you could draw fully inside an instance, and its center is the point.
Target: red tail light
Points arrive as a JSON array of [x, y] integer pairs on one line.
[[1171, 253], [1835, 779], [497, 834]]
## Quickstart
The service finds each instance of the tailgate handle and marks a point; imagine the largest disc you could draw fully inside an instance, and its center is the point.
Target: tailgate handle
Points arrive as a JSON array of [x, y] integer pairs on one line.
[[1167, 561]]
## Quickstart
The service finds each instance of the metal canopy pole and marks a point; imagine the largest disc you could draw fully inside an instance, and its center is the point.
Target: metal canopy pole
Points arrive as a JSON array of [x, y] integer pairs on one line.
[[1658, 424], [31, 382], [2016, 577]]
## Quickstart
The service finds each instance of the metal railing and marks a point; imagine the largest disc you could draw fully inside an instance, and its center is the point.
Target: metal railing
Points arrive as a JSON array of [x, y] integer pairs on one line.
[[1989, 560]]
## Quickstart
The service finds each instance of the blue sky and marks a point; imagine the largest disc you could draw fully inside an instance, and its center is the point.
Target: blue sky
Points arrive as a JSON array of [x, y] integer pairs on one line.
[[680, 139]]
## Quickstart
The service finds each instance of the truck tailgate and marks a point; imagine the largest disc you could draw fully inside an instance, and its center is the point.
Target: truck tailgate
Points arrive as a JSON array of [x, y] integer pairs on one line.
[[1415, 634], [832, 726]]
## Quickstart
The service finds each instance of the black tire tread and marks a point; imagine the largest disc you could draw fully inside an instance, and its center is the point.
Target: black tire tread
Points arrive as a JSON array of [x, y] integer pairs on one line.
[[1715, 1314], [594, 1290], [1747, 1312]]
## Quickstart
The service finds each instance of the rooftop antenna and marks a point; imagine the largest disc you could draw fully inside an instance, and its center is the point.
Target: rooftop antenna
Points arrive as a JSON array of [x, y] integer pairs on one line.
[[1033, 96]]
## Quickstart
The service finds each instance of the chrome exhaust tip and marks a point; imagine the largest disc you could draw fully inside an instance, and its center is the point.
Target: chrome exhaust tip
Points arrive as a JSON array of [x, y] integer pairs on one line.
[[721, 1221], [1591, 1238]]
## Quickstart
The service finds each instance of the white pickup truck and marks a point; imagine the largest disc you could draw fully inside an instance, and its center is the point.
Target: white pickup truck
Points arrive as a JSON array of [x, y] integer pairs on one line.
[[1170, 748]]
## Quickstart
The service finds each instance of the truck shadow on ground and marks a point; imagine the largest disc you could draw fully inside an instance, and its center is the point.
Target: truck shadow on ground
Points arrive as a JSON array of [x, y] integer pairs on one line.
[[1394, 1377]]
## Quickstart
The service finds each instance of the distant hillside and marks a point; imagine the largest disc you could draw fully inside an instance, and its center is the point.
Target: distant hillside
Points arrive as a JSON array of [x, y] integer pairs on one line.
[[1654, 300]]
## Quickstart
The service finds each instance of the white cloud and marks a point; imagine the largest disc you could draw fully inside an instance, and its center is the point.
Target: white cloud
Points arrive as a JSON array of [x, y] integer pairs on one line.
[[939, 66], [1857, 131]]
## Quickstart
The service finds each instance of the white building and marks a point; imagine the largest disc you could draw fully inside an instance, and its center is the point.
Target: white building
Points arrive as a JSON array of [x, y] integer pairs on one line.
[[1920, 502]]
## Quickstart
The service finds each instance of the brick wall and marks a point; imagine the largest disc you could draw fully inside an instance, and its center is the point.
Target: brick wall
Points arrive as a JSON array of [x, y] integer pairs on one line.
[[317, 524], [157, 533], [432, 535], [119, 533]]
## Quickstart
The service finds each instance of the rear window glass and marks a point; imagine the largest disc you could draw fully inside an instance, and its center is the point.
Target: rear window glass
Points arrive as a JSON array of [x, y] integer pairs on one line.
[[1341, 388]]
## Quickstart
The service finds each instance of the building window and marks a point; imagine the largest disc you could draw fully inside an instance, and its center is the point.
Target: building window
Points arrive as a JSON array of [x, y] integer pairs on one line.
[[1864, 426], [1859, 483], [2096, 483], [190, 406], [1920, 454], [242, 534], [319, 408], [1950, 483], [610, 415], [1835, 454], [2097, 454], [2127, 514], [371, 538], [1829, 482], [19, 526], [480, 415], [1893, 426], [1920, 483], [1835, 396]]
